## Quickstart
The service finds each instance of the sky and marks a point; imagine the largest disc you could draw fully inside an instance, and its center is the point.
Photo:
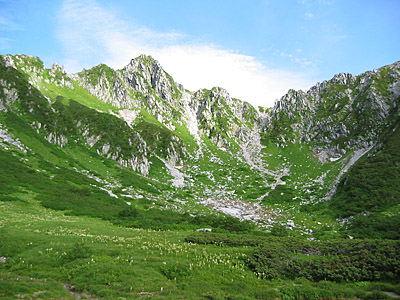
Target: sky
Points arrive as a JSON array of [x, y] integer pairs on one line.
[[256, 49]]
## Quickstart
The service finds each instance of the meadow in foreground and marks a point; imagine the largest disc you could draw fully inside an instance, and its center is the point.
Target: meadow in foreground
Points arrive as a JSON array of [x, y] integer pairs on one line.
[[50, 255]]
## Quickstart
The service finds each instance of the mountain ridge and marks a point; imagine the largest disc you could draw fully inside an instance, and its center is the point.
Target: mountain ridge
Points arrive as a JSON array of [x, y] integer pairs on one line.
[[229, 155]]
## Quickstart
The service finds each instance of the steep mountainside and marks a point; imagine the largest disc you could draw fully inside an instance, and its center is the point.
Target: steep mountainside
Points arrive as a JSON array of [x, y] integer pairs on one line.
[[132, 145]]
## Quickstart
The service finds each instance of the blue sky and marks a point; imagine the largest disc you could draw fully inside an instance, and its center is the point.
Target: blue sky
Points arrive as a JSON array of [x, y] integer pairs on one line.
[[256, 49]]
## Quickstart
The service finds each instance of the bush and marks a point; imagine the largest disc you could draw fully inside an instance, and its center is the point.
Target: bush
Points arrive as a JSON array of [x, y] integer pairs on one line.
[[279, 230], [343, 260], [235, 240], [266, 294], [362, 295], [175, 271], [378, 295], [7, 198], [80, 250], [129, 212]]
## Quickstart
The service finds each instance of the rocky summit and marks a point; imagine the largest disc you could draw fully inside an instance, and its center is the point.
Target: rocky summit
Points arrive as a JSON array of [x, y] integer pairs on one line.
[[111, 143]]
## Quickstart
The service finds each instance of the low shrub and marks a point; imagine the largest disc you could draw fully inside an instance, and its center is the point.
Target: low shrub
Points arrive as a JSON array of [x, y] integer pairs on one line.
[[175, 271], [345, 260]]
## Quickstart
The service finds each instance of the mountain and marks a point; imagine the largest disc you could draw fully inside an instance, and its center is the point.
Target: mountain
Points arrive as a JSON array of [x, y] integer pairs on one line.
[[111, 181], [134, 147]]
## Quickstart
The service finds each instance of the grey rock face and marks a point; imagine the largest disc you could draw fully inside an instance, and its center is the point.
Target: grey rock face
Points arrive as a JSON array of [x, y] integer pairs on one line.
[[8, 61], [144, 73], [143, 83], [324, 115], [344, 113], [60, 140], [9, 95]]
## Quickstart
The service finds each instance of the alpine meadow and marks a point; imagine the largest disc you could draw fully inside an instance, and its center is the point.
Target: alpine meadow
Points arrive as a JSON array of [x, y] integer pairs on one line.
[[122, 184]]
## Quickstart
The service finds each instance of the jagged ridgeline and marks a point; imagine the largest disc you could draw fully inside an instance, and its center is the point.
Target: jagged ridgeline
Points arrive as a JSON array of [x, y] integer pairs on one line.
[[135, 147]]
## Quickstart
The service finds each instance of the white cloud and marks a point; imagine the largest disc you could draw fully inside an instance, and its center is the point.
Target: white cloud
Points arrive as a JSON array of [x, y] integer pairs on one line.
[[91, 34], [243, 76]]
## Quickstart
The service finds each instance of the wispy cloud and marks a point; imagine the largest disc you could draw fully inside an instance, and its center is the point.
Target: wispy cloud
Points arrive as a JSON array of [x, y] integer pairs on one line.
[[7, 25], [6, 21], [91, 34]]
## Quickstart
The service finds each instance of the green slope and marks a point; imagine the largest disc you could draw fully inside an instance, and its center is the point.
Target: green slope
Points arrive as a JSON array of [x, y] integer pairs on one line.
[[370, 191]]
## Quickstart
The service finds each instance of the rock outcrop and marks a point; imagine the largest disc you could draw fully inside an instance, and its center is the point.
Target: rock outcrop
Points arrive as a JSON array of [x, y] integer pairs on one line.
[[345, 113]]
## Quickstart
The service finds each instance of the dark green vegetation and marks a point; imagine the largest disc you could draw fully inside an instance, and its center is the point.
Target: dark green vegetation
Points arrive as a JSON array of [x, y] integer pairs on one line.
[[107, 197], [370, 190], [337, 260]]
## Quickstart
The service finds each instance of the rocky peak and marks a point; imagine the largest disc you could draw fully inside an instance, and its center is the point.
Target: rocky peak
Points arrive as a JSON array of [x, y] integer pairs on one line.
[[145, 73], [8, 61], [218, 92], [292, 101], [343, 78], [24, 63], [56, 68], [143, 63]]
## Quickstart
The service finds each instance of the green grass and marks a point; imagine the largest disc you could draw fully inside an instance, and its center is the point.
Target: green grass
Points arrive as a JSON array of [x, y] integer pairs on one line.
[[78, 93], [109, 261], [46, 249]]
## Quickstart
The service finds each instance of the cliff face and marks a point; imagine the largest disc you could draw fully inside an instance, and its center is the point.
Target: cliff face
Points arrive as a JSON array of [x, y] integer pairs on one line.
[[206, 146], [345, 113]]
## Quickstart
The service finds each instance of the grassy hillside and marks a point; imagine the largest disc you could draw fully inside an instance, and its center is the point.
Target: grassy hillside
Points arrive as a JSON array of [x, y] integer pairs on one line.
[[370, 192]]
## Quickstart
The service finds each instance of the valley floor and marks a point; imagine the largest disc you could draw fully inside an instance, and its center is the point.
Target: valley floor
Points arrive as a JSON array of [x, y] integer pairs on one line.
[[47, 254]]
